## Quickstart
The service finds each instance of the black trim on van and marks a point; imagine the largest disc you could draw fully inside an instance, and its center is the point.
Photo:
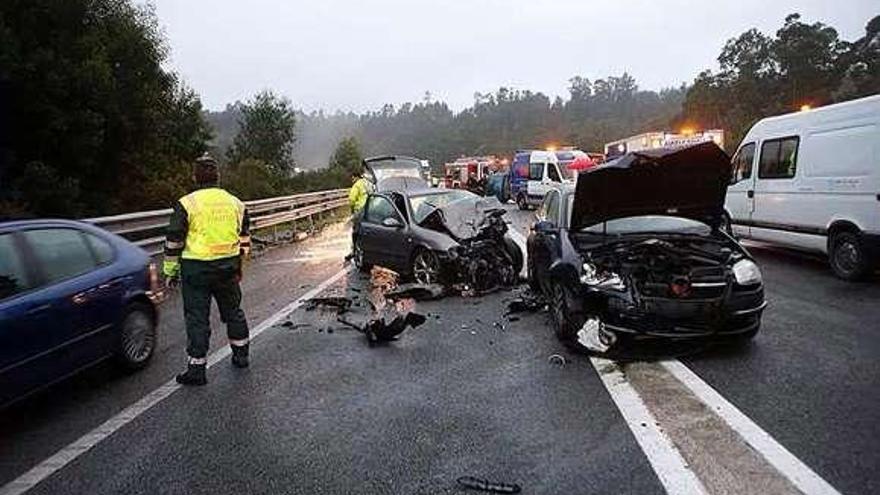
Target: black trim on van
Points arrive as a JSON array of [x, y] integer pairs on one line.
[[800, 229]]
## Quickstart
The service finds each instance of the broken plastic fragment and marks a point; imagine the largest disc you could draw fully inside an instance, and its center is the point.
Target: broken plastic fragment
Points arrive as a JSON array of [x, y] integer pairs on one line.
[[594, 337], [488, 486]]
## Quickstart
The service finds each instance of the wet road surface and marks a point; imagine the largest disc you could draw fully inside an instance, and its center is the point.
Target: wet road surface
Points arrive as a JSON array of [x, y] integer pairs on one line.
[[321, 412]]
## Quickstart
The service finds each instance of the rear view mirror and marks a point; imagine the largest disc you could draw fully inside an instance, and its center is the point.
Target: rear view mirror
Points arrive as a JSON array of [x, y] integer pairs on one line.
[[392, 222]]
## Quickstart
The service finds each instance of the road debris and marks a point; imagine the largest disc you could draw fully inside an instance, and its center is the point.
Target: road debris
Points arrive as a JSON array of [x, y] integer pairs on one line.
[[341, 304], [526, 302], [594, 337], [557, 359], [419, 292], [474, 483]]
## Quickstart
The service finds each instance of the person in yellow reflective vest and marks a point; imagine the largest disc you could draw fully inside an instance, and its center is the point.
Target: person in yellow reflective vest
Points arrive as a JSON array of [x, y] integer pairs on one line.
[[206, 241], [357, 195], [357, 199]]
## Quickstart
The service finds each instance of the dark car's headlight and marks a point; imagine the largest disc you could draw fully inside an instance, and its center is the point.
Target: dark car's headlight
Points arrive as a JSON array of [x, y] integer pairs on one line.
[[746, 272]]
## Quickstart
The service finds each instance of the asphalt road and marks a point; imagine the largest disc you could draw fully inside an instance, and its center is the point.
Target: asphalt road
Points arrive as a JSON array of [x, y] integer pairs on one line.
[[320, 411]]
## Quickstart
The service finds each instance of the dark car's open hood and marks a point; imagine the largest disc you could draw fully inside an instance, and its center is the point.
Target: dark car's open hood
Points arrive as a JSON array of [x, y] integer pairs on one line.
[[686, 182]]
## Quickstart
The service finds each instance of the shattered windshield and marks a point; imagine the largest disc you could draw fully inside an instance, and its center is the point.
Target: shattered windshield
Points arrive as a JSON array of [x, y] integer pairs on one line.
[[422, 205]]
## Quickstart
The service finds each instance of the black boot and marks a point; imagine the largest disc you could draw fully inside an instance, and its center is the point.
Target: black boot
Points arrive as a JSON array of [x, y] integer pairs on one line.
[[240, 356], [194, 375]]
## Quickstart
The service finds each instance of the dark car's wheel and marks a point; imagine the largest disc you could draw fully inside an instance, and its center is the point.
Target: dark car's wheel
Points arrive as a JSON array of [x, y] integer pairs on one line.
[[848, 257], [137, 337], [425, 267], [357, 256], [564, 320], [521, 202]]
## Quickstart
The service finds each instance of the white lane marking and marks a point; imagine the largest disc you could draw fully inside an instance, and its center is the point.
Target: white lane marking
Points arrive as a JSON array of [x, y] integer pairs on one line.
[[67, 454], [798, 473], [672, 470], [309, 258], [521, 242]]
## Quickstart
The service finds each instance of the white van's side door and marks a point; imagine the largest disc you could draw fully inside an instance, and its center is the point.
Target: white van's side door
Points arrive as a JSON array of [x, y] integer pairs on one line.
[[740, 202], [778, 206]]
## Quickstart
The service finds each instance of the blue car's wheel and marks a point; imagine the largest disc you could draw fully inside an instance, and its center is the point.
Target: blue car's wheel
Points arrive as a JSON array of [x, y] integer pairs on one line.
[[137, 337]]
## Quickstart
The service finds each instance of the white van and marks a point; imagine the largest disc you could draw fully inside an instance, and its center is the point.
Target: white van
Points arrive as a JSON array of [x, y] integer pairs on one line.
[[811, 180], [532, 174]]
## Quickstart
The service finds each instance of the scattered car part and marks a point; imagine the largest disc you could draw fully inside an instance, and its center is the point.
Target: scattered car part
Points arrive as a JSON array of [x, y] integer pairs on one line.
[[419, 292], [557, 359], [341, 304], [488, 486]]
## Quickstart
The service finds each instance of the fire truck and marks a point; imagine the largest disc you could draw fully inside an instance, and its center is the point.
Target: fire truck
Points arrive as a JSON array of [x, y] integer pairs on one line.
[[470, 172]]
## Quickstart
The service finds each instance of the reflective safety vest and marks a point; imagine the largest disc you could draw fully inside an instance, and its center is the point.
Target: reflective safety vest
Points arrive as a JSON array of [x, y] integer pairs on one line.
[[357, 195], [214, 217]]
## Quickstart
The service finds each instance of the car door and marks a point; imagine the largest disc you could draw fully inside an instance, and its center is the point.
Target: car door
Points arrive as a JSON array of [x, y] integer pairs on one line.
[[77, 295], [22, 313], [740, 201], [384, 244], [543, 239]]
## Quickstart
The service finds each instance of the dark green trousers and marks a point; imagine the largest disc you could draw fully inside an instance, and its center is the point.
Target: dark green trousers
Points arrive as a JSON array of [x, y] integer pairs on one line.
[[202, 281]]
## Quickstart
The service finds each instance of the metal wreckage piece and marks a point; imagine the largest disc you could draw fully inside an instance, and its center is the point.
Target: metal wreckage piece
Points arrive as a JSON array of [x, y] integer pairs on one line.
[[391, 310]]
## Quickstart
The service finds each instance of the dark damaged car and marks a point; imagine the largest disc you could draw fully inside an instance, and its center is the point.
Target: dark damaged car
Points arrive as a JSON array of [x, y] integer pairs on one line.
[[434, 236], [636, 248]]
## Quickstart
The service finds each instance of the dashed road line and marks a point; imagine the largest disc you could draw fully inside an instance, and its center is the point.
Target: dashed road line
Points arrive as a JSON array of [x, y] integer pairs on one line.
[[83, 444]]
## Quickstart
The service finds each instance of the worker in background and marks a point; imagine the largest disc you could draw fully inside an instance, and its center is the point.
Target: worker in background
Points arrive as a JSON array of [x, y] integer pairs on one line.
[[357, 195], [357, 199], [206, 243]]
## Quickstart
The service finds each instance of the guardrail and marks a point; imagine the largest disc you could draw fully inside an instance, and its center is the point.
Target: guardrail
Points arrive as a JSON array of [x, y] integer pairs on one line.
[[146, 228]]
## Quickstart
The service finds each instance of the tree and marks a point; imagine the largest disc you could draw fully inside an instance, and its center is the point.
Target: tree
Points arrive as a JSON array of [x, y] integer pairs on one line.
[[807, 54], [267, 130], [83, 93], [347, 157], [251, 179]]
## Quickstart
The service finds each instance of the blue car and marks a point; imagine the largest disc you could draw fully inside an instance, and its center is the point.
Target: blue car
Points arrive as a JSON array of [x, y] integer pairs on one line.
[[71, 295]]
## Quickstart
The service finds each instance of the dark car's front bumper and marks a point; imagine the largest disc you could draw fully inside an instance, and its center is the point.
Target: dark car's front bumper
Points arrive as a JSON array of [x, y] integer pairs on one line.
[[737, 313]]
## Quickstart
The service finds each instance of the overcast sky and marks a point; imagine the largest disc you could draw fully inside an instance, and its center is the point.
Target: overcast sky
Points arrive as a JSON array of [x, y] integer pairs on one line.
[[357, 55]]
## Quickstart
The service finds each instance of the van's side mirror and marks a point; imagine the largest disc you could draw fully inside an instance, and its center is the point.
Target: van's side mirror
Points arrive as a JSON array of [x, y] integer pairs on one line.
[[544, 227], [392, 222]]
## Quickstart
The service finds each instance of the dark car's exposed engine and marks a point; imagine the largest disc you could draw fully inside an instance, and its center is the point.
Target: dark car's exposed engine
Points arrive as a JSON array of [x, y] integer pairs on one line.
[[484, 260], [670, 268]]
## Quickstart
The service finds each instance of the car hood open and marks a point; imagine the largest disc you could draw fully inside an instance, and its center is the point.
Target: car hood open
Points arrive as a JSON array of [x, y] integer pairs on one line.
[[396, 172], [688, 182]]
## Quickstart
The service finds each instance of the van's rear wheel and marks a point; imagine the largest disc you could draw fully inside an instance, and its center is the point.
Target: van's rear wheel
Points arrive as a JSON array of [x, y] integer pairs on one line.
[[848, 257]]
